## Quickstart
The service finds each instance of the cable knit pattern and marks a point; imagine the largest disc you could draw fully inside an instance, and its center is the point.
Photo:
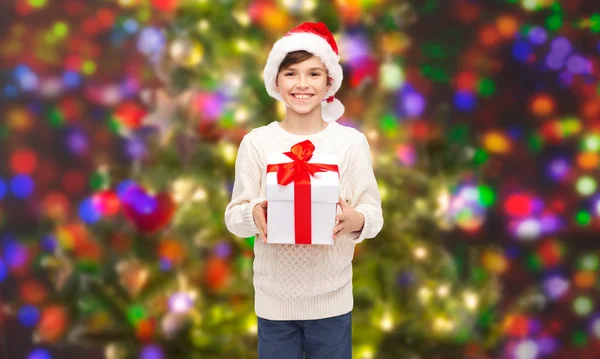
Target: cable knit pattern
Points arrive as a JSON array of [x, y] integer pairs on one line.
[[303, 282]]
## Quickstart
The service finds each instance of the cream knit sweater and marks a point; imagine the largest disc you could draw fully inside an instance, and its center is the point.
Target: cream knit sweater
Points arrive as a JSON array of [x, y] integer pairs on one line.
[[301, 282]]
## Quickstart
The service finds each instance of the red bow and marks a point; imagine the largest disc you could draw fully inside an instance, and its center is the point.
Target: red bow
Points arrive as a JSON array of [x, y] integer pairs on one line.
[[299, 171]]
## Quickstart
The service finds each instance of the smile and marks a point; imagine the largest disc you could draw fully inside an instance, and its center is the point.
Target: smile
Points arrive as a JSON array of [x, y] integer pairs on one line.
[[302, 97]]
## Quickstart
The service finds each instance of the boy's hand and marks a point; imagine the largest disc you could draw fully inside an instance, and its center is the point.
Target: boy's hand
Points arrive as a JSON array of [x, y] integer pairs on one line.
[[347, 221], [259, 213]]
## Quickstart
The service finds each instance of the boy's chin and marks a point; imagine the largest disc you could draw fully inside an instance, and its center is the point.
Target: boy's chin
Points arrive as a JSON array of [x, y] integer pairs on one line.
[[302, 110]]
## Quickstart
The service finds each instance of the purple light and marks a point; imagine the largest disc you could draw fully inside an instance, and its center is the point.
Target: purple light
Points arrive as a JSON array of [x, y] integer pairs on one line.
[[547, 345], [222, 250], [3, 271], [135, 148], [537, 205], [22, 186], [210, 105], [88, 212], [555, 62], [130, 86], [140, 200], [48, 243], [550, 224], [2, 188], [150, 41], [538, 35], [561, 46], [555, 287], [77, 142], [123, 187], [180, 302], [152, 351], [354, 49], [413, 104], [558, 168], [566, 78], [29, 316], [39, 354], [15, 254], [521, 51], [464, 100], [577, 64]]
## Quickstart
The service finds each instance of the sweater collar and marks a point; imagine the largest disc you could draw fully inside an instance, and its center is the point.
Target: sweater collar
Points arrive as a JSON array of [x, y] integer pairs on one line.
[[293, 137]]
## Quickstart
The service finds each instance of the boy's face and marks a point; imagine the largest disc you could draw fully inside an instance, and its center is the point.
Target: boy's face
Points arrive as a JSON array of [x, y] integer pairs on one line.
[[303, 86]]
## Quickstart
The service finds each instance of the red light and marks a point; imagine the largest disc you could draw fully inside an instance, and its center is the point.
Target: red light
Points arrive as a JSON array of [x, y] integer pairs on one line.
[[23, 161], [518, 205]]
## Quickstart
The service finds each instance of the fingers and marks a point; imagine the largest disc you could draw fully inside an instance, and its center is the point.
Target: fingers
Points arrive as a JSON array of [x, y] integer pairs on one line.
[[260, 219], [338, 230], [262, 222]]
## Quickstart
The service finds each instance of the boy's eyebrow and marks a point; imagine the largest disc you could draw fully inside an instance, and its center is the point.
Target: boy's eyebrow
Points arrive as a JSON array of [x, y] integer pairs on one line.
[[311, 69]]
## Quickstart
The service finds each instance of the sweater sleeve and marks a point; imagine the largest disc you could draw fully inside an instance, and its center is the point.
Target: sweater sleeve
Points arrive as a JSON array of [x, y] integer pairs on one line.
[[246, 192], [365, 193]]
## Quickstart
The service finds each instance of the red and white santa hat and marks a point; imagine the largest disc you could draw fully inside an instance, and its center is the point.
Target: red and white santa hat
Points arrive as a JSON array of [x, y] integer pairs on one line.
[[318, 40]]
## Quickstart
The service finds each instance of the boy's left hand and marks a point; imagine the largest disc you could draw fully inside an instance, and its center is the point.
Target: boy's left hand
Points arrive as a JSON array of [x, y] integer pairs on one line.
[[347, 221]]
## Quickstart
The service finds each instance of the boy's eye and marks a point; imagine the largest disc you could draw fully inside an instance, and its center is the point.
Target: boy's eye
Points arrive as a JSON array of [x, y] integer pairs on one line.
[[289, 73], [316, 74]]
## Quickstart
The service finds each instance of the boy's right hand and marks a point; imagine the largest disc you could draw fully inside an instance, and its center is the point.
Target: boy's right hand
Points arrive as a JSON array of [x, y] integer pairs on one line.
[[259, 212]]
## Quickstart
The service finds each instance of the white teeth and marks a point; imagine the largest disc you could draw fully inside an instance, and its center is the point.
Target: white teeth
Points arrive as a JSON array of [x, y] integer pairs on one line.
[[302, 97]]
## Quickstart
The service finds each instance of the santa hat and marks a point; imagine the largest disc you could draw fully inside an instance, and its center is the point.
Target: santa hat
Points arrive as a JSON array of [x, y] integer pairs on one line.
[[318, 40]]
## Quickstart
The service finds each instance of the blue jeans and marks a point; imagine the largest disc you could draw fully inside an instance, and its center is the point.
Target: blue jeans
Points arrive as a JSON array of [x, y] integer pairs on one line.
[[328, 338]]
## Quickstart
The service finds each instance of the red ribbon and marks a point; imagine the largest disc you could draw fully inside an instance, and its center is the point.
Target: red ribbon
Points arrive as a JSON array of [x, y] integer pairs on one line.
[[299, 171]]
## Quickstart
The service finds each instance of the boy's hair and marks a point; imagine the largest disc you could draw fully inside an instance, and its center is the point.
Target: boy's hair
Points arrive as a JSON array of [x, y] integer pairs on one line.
[[296, 57]]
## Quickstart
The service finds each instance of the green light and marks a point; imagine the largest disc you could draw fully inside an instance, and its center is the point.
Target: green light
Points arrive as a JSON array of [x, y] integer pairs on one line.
[[114, 125], [592, 142], [589, 262], [486, 319], [37, 3], [60, 29], [583, 306], [480, 157], [570, 125], [389, 123], [135, 314], [595, 23], [530, 4], [583, 218], [486, 87], [56, 118], [534, 262], [435, 51], [250, 241], [435, 73], [479, 275], [459, 133], [463, 335], [554, 22], [487, 197], [579, 338], [88, 68], [99, 180], [535, 143], [585, 185], [4, 131]]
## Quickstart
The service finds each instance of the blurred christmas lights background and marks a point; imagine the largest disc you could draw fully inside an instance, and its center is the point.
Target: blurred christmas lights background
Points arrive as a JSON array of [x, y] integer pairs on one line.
[[120, 123]]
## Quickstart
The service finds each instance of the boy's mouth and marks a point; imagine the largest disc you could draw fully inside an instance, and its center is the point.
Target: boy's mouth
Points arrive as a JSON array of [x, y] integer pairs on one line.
[[302, 97]]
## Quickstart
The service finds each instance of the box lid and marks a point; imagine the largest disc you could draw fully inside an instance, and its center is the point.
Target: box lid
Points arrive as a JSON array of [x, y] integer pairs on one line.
[[324, 185]]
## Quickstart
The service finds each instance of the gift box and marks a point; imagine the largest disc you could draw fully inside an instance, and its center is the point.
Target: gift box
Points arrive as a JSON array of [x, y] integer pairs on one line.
[[302, 191]]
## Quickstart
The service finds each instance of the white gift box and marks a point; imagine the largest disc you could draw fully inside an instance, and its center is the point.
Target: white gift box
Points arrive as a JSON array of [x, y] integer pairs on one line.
[[323, 201]]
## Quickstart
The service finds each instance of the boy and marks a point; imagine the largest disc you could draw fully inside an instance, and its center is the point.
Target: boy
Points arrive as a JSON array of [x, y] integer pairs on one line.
[[303, 293]]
